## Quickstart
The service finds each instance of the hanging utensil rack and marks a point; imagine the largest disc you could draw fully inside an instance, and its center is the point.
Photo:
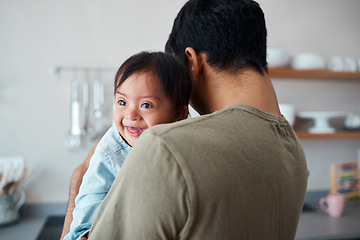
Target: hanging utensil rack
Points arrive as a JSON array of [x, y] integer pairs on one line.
[[86, 103], [57, 70]]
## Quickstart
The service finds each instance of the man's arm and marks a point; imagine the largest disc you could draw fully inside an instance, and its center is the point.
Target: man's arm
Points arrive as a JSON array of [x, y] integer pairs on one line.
[[75, 183]]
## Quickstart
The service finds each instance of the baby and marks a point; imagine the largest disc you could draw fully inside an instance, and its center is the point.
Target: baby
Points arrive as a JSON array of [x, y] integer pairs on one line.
[[150, 89]]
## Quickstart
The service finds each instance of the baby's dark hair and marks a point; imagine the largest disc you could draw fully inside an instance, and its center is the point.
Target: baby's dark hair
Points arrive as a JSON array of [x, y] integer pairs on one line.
[[173, 76]]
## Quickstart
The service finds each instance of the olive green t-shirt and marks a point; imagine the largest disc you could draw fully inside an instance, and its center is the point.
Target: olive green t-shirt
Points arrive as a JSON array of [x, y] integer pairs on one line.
[[238, 173]]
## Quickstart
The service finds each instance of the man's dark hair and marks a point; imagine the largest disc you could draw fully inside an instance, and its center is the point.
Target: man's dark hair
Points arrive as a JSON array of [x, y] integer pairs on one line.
[[173, 76], [232, 33]]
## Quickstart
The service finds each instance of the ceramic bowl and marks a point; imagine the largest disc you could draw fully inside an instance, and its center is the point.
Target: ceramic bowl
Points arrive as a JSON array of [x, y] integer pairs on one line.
[[277, 57], [308, 61]]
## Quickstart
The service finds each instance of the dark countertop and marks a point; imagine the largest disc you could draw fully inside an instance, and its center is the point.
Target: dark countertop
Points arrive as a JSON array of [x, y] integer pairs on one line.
[[318, 225], [33, 218]]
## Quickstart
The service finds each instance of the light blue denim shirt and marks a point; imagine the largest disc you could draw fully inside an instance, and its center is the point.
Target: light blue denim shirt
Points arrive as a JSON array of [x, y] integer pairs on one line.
[[105, 164]]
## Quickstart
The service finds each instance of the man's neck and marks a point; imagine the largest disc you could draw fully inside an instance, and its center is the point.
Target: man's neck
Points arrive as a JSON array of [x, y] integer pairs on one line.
[[248, 87]]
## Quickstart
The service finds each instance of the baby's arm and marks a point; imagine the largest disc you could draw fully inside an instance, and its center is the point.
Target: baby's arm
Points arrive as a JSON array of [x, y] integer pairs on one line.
[[76, 180], [94, 187]]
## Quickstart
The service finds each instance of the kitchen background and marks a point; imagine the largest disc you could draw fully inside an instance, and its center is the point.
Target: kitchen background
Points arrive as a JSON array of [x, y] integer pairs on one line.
[[37, 35]]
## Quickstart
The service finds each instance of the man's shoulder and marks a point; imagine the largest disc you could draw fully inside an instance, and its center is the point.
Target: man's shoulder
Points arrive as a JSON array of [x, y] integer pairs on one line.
[[236, 123], [196, 124], [180, 127], [192, 128]]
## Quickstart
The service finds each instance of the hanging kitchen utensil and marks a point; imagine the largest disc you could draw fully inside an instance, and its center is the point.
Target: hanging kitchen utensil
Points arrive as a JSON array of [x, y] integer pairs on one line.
[[102, 125], [73, 140], [98, 97], [85, 101]]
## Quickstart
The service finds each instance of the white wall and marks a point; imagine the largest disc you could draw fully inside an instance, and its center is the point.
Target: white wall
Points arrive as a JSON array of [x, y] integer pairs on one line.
[[35, 35], [329, 28]]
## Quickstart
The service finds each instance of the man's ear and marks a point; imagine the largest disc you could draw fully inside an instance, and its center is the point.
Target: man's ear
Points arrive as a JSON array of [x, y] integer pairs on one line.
[[194, 61], [182, 113]]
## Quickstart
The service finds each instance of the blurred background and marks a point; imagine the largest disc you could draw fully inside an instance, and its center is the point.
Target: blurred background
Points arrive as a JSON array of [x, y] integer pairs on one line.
[[43, 42]]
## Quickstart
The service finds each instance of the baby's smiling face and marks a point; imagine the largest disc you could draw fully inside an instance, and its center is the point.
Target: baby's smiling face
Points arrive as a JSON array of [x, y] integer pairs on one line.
[[139, 104]]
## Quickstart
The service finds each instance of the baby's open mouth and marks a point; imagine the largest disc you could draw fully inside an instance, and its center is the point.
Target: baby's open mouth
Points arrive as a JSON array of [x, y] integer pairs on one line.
[[135, 130]]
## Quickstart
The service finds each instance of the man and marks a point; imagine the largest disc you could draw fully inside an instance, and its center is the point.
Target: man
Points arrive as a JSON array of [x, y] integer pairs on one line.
[[238, 171]]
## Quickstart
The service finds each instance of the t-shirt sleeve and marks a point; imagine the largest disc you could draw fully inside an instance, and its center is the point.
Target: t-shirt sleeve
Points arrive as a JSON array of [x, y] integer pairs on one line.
[[149, 198]]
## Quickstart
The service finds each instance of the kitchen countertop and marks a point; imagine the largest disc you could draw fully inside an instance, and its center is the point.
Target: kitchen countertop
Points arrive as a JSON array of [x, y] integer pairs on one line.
[[312, 225], [33, 217], [27, 228], [318, 225]]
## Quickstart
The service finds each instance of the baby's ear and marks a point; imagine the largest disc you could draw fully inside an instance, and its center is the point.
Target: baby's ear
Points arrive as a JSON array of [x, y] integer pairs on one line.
[[182, 113]]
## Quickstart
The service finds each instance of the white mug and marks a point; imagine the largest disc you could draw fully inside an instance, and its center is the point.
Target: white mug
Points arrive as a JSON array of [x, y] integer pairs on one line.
[[350, 65], [336, 64]]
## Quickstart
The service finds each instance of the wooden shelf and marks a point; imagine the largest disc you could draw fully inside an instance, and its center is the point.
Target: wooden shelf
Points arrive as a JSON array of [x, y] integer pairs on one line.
[[336, 135], [324, 75], [311, 74]]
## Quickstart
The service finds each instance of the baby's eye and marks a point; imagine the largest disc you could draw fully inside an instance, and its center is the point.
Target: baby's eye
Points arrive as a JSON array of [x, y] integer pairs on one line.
[[146, 105], [122, 102]]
